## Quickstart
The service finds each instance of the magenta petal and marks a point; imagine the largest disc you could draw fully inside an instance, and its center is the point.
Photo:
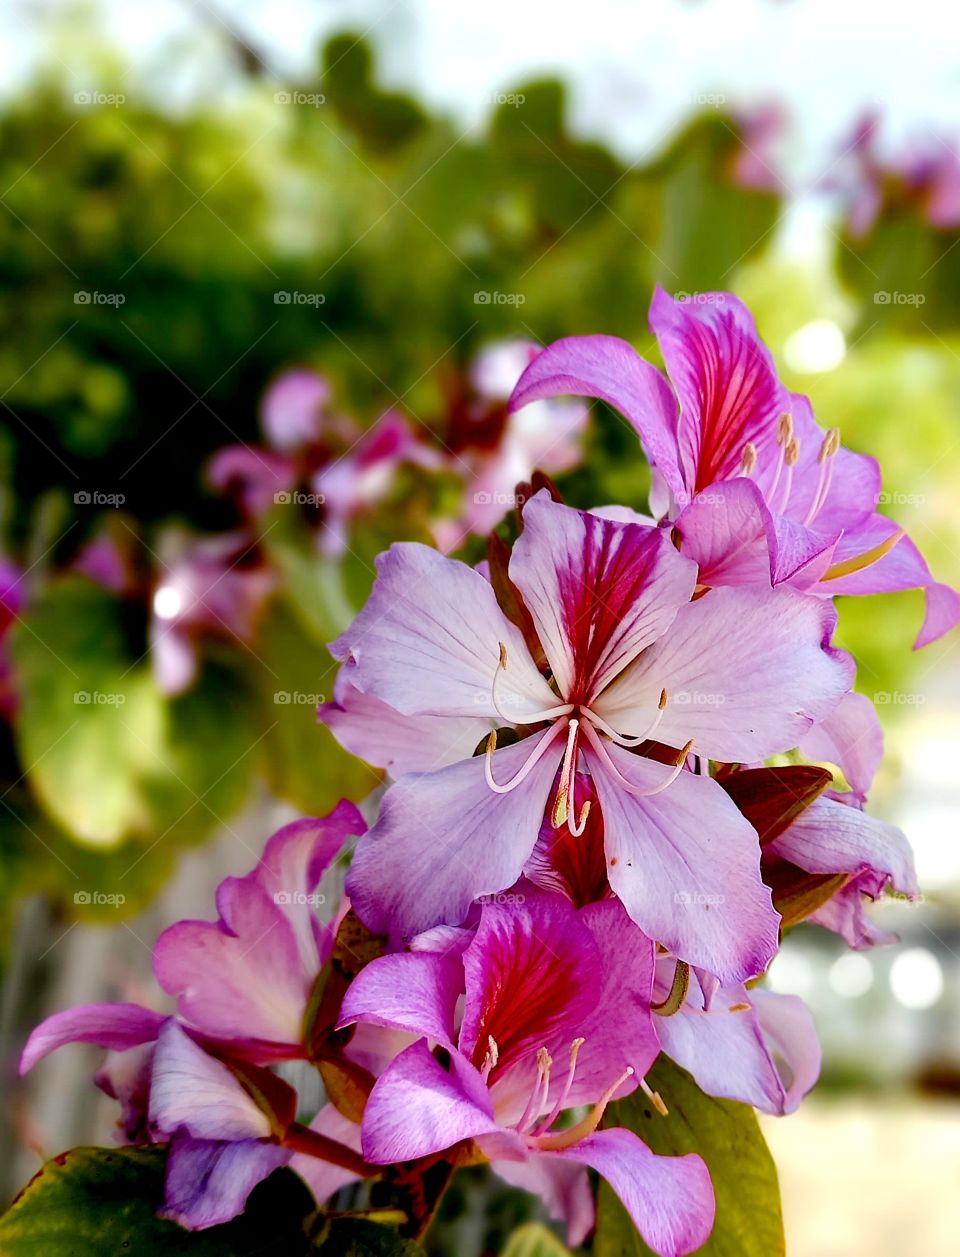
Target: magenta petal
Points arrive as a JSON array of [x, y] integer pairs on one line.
[[725, 381], [400, 744], [686, 865], [412, 991], [208, 1181], [563, 1186], [599, 591], [852, 738], [725, 531], [445, 838], [619, 1031], [428, 641], [670, 1199], [196, 1092], [293, 409], [611, 370], [113, 1026], [417, 1108], [531, 981], [747, 672]]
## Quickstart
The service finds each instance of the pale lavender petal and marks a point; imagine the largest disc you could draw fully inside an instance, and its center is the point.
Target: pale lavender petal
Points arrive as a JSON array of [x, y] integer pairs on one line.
[[747, 673], [599, 592], [852, 738], [208, 1181], [292, 411], [254, 476], [686, 865], [608, 368], [194, 1091], [428, 641], [416, 1109], [397, 743], [846, 914], [670, 1199], [113, 1026], [791, 1039], [412, 991], [125, 1077], [445, 838]]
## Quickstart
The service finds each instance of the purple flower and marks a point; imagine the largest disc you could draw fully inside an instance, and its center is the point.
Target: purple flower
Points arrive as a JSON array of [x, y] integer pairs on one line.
[[555, 1015], [737, 674], [758, 492], [211, 588], [248, 977]]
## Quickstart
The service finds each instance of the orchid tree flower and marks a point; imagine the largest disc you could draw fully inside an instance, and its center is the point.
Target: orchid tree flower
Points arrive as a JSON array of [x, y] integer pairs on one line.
[[736, 674], [494, 449], [213, 588], [247, 978], [758, 493], [555, 1015]]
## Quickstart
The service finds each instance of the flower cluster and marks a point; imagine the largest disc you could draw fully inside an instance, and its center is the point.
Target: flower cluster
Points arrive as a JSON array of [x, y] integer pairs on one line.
[[582, 857]]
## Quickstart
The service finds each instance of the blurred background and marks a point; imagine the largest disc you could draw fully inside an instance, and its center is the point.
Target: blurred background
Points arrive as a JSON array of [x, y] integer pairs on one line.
[[267, 275]]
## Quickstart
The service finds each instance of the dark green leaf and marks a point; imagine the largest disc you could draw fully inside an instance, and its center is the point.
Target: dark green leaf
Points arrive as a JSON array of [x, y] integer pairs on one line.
[[100, 1202], [727, 1136], [357, 1237], [534, 1240]]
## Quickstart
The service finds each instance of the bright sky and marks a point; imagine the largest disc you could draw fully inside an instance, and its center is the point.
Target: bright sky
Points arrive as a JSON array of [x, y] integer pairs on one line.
[[636, 67]]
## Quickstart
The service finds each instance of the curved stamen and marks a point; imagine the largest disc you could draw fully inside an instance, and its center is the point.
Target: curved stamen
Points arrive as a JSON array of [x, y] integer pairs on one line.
[[639, 791], [828, 452], [654, 1097], [790, 456], [538, 1096], [549, 736], [784, 437], [578, 828], [567, 1138], [859, 561], [561, 805], [622, 739], [548, 713], [672, 1002], [558, 1108], [491, 1058]]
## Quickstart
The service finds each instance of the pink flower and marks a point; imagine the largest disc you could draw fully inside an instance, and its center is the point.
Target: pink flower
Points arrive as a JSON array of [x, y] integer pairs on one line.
[[555, 1015], [737, 674], [758, 493]]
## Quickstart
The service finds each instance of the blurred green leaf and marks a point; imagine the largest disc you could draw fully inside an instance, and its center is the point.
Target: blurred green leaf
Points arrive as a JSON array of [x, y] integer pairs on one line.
[[726, 1134], [534, 1240], [357, 1237], [103, 1201]]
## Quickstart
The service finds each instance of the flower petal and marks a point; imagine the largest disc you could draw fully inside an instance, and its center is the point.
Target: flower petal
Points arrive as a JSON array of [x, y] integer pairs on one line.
[[791, 1038], [444, 838], [196, 1092], [400, 744], [686, 866], [725, 531], [417, 1108], [747, 672], [208, 1181], [852, 738], [725, 381], [611, 370], [599, 591], [322, 1177], [113, 1026], [563, 1186], [670, 1199], [428, 641], [412, 991]]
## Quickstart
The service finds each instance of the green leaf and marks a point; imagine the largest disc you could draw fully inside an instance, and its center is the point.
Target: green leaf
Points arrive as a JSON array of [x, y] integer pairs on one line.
[[534, 1240], [103, 1201], [726, 1134], [358, 1237]]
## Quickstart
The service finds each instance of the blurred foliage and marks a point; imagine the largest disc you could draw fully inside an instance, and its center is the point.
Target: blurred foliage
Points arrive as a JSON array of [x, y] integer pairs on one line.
[[158, 268]]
